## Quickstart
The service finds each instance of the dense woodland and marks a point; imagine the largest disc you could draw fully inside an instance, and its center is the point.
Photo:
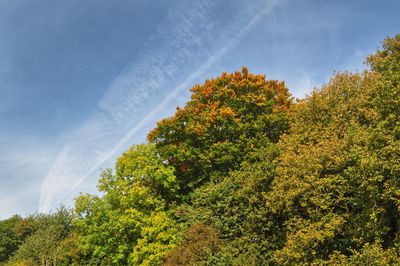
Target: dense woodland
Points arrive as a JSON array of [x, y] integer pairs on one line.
[[244, 174]]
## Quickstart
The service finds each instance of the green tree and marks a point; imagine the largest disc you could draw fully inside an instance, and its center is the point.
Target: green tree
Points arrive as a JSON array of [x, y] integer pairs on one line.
[[131, 216], [235, 207], [44, 244], [158, 237], [10, 238], [337, 186]]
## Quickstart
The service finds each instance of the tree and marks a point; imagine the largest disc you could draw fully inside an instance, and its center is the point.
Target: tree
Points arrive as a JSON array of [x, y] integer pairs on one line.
[[129, 219], [337, 185], [235, 208], [225, 120], [216, 143], [44, 244], [200, 241], [159, 236], [9, 237]]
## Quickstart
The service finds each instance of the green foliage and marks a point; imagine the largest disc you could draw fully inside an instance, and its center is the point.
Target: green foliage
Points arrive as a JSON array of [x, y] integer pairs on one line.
[[44, 245], [141, 166], [225, 120], [130, 220], [158, 237], [385, 63], [370, 254], [337, 179], [10, 237], [235, 207], [242, 176]]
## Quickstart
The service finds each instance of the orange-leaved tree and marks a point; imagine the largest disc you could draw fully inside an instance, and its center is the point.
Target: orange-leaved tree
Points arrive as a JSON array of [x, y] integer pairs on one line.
[[225, 119]]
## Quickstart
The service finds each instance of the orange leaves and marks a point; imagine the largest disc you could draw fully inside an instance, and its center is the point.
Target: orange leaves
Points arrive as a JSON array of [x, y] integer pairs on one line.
[[207, 90], [226, 112], [232, 109]]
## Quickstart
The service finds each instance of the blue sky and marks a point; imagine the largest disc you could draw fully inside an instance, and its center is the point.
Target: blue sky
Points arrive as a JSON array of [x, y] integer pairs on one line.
[[81, 81]]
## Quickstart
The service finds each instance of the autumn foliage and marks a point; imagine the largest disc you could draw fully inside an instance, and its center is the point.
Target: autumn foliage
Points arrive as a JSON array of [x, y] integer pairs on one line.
[[242, 175], [225, 119]]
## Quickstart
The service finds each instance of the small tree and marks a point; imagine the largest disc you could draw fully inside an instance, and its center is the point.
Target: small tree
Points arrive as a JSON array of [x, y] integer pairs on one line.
[[128, 222]]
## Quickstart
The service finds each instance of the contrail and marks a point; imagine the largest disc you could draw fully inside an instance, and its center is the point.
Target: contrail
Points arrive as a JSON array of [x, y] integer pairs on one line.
[[46, 202]]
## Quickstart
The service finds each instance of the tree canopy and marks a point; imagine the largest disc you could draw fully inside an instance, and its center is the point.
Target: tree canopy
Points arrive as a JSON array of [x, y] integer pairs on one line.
[[243, 175], [225, 119]]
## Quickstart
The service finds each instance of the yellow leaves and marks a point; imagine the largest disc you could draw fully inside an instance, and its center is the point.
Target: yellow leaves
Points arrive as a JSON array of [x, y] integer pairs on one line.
[[158, 236], [304, 238], [337, 163]]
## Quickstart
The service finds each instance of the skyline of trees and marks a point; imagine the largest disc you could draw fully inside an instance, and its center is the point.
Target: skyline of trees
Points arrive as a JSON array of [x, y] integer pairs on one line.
[[243, 175]]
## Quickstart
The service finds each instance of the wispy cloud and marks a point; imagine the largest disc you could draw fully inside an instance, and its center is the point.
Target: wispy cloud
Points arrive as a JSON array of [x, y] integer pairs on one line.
[[183, 50], [22, 165]]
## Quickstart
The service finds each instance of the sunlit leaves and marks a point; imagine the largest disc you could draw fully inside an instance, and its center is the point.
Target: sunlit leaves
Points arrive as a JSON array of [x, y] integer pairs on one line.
[[337, 186], [224, 121], [122, 223]]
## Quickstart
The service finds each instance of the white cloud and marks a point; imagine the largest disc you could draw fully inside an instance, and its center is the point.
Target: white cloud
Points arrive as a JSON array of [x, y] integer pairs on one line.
[[25, 162]]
